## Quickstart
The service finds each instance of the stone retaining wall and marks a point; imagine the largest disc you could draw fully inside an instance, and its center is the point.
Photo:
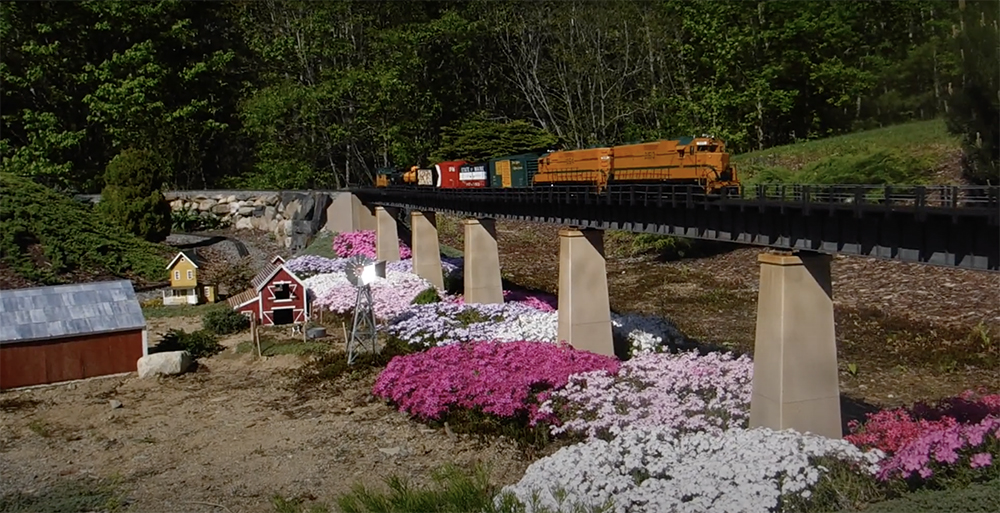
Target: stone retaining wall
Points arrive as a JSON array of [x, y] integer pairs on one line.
[[292, 216]]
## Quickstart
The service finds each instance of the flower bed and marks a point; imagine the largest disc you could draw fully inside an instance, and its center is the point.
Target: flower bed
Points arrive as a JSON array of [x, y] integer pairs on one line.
[[391, 295], [362, 242], [446, 323], [684, 391], [956, 439], [507, 380], [654, 469]]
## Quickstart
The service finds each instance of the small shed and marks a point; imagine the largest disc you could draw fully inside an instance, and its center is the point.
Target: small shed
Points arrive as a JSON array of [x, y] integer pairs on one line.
[[276, 297], [67, 332]]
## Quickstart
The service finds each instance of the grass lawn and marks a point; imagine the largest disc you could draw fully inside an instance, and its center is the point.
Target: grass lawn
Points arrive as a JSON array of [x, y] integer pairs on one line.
[[920, 146], [152, 312]]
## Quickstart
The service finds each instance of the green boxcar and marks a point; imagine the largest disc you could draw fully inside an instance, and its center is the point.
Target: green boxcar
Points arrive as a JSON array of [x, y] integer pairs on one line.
[[513, 171]]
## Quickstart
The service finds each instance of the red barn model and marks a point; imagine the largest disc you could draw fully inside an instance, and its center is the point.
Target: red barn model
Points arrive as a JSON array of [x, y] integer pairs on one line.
[[275, 297]]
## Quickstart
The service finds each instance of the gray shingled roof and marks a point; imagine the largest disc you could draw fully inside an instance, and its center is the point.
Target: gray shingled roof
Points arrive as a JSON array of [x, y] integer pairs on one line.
[[67, 310]]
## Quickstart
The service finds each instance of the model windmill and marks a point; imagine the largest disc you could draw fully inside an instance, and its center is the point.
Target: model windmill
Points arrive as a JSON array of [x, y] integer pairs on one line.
[[361, 272]]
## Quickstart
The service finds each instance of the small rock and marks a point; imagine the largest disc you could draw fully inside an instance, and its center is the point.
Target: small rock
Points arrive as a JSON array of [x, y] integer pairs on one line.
[[115, 404], [391, 451]]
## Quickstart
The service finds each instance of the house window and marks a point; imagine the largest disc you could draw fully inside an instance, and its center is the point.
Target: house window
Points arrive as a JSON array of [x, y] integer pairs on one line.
[[282, 292], [190, 274], [177, 275]]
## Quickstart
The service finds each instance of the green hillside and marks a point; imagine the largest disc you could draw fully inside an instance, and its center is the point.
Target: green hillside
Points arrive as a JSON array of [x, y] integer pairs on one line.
[[47, 238], [918, 152]]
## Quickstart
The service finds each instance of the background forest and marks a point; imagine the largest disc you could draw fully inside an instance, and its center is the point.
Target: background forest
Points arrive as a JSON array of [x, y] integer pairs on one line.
[[266, 94]]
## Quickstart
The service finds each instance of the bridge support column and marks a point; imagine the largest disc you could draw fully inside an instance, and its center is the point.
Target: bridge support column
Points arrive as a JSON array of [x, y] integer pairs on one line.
[[795, 382], [482, 262], [584, 308], [386, 235], [426, 248], [346, 213]]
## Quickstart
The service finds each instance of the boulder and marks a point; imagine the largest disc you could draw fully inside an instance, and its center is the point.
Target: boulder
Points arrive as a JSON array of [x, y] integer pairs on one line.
[[207, 204], [269, 213], [220, 209], [245, 211], [244, 223], [231, 198], [167, 364]]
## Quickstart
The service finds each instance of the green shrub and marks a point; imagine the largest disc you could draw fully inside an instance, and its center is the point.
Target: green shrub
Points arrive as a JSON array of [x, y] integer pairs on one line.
[[132, 198], [190, 220], [223, 321], [200, 344], [428, 296]]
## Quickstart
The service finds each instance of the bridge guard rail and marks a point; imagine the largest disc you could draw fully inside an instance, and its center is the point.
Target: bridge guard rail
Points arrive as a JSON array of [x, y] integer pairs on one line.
[[938, 225]]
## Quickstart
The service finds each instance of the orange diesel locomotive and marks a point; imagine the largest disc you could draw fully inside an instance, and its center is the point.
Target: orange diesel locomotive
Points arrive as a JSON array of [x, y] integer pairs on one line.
[[699, 161]]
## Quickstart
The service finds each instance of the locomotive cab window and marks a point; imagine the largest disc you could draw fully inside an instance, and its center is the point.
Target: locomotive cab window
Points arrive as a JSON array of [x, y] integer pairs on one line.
[[281, 291]]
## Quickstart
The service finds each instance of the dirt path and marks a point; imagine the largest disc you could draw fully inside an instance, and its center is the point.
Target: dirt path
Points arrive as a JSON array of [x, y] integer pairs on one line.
[[228, 434]]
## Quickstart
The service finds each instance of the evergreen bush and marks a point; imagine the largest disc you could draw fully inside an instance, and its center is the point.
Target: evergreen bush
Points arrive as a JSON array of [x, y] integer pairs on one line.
[[200, 344], [44, 236], [223, 321], [131, 197]]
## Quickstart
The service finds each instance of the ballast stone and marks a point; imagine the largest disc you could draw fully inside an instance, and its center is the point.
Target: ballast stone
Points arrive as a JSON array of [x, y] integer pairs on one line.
[[169, 363]]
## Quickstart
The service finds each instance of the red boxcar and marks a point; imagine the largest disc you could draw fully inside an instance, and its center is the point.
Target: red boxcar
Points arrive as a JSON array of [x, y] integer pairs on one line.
[[449, 176], [474, 175]]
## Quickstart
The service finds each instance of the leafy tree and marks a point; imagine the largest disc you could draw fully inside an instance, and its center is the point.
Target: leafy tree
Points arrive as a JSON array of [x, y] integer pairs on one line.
[[480, 139], [132, 198], [975, 114]]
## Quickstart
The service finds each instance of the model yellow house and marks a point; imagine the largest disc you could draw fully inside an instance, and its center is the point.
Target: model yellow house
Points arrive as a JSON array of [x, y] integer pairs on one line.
[[184, 286]]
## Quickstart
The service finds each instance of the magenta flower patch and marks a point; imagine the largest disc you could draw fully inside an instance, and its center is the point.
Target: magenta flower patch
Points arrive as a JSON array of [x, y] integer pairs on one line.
[[507, 379]]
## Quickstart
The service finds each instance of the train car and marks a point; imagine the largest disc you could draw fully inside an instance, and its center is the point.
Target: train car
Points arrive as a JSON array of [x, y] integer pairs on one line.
[[575, 167], [474, 175], [421, 176], [386, 176], [513, 171], [699, 161]]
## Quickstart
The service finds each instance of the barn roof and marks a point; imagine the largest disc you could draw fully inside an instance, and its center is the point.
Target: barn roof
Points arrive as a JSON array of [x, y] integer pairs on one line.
[[242, 298], [67, 310]]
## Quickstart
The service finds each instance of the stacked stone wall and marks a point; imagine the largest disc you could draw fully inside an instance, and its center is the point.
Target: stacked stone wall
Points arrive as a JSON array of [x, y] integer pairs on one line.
[[292, 216]]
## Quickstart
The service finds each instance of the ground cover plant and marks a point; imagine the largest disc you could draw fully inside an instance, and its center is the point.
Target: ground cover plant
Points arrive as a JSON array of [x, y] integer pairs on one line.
[[643, 423], [955, 441], [49, 238]]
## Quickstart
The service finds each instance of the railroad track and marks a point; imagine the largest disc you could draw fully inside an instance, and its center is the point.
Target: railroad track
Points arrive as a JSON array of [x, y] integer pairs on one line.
[[209, 240]]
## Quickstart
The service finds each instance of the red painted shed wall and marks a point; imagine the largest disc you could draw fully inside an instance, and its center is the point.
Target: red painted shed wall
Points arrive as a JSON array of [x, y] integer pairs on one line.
[[85, 356]]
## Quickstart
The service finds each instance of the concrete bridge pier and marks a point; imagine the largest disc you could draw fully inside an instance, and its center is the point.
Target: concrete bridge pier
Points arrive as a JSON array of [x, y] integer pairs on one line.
[[482, 262], [584, 307], [426, 247], [795, 381], [346, 213], [386, 234]]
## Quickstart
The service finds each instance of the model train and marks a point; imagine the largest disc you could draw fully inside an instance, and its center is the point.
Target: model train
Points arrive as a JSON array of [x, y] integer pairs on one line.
[[701, 161]]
